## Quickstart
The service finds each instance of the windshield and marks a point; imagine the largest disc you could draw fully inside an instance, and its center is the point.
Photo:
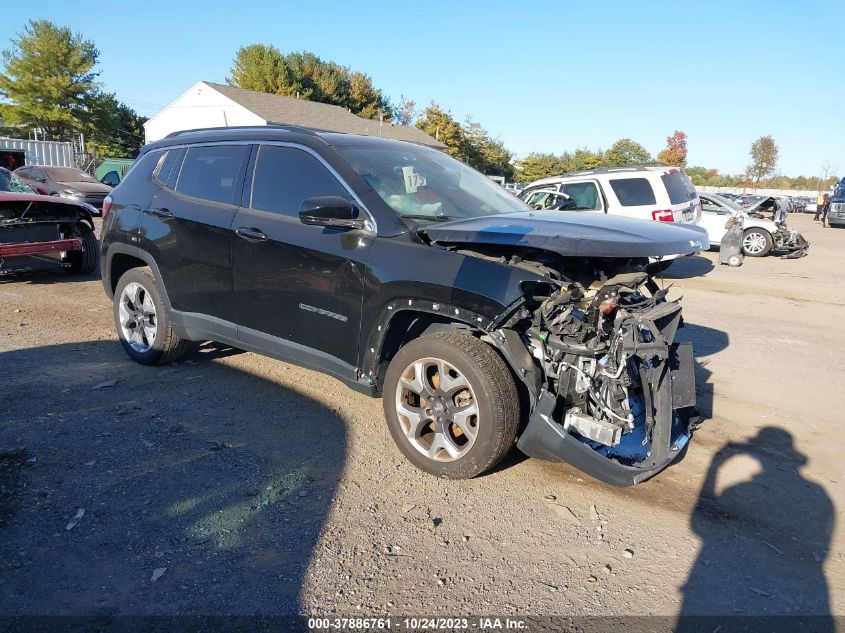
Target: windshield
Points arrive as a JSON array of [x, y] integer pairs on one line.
[[67, 174], [423, 184], [727, 202], [10, 182]]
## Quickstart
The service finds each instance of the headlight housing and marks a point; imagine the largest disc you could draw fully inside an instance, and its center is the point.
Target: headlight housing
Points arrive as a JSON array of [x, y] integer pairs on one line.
[[72, 193]]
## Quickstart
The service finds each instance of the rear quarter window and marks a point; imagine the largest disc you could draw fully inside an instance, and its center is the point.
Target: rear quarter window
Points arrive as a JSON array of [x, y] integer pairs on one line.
[[633, 192], [141, 170], [679, 187]]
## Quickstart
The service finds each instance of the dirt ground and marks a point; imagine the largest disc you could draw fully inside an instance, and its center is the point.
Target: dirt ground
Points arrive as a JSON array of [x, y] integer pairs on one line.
[[233, 484]]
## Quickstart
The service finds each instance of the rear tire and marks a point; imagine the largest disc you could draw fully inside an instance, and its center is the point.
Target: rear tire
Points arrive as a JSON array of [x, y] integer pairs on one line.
[[451, 405], [85, 261], [141, 320]]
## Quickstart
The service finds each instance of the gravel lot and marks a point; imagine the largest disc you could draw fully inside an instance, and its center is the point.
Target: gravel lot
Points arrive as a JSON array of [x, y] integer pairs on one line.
[[234, 484]]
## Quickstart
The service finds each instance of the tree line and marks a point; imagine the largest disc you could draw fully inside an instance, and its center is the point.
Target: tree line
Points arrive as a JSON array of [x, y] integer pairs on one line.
[[49, 83]]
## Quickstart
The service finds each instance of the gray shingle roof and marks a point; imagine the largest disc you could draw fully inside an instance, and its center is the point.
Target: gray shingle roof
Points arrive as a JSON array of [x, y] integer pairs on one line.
[[319, 116]]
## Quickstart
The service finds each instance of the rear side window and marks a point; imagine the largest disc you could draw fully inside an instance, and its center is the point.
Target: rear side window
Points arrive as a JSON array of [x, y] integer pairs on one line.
[[285, 176], [211, 172], [679, 187], [633, 192], [141, 170]]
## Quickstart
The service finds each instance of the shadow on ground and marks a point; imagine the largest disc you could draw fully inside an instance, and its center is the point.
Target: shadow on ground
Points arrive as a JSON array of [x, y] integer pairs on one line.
[[688, 267], [765, 538], [204, 488]]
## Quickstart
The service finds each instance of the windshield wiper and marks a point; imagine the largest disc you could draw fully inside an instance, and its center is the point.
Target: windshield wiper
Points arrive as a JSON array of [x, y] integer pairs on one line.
[[432, 218]]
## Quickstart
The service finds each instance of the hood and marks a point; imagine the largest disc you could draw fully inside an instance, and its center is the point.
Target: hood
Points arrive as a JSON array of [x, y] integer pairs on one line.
[[86, 187], [17, 208], [574, 234]]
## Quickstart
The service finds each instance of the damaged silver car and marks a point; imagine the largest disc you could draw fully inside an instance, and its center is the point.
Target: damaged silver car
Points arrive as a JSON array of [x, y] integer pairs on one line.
[[760, 235]]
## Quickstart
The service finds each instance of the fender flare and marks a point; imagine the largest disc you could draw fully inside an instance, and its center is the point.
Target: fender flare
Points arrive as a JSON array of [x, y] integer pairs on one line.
[[147, 258]]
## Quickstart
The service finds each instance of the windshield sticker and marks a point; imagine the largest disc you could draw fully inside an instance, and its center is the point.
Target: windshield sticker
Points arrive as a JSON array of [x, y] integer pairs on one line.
[[413, 180]]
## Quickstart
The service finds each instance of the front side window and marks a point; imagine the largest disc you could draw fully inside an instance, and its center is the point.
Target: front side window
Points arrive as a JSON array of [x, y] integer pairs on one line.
[[420, 183], [709, 205], [285, 176], [585, 196], [211, 172], [633, 192]]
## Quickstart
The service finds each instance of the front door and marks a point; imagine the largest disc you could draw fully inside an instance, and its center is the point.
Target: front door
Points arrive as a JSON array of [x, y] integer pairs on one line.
[[298, 287]]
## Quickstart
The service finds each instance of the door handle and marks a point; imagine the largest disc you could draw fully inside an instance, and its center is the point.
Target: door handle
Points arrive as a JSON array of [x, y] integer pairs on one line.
[[161, 213], [250, 235]]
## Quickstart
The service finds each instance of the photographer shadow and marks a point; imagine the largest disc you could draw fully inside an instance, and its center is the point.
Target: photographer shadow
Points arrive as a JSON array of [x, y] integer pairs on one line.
[[764, 539]]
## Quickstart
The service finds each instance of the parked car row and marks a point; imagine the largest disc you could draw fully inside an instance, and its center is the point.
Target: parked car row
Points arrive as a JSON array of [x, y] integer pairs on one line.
[[666, 194]]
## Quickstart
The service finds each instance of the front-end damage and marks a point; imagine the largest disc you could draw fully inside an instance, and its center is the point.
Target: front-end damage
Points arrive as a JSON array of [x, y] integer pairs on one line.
[[617, 391], [609, 389], [38, 232], [786, 242]]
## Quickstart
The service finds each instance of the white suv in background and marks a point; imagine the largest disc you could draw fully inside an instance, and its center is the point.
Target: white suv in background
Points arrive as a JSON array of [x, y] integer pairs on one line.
[[663, 194]]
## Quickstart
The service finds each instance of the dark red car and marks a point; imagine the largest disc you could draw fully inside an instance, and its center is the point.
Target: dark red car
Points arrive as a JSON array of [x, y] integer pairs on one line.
[[44, 232]]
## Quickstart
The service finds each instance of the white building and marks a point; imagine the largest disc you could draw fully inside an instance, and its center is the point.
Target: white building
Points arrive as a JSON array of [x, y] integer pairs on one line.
[[208, 104]]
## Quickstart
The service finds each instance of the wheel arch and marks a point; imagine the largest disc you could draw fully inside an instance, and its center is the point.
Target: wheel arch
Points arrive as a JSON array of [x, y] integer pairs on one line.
[[121, 258]]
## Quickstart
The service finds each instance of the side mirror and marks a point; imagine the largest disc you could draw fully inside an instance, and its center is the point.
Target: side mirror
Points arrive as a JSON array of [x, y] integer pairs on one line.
[[332, 211]]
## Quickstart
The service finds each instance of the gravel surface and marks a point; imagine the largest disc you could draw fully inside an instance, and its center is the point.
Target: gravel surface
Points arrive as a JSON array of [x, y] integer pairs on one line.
[[229, 483]]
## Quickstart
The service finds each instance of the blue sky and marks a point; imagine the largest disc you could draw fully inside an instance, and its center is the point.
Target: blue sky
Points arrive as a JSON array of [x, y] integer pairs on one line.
[[545, 76]]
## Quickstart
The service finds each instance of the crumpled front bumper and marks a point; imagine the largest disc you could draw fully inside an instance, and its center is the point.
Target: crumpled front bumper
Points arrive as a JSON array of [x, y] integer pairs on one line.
[[791, 243], [545, 439]]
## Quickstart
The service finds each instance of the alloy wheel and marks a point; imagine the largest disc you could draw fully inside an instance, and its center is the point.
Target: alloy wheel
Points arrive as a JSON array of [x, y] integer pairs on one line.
[[137, 316], [437, 409], [754, 243]]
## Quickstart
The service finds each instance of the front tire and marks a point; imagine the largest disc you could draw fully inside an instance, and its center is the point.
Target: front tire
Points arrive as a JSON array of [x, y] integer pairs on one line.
[[756, 242], [143, 326], [451, 405]]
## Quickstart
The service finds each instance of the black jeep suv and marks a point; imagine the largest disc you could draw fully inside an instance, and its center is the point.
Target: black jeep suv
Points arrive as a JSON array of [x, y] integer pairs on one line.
[[408, 275]]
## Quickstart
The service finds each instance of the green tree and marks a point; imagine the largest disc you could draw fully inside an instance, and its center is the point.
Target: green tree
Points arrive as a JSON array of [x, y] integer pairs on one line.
[[626, 151], [48, 80], [540, 165], [764, 158], [115, 129], [304, 75], [675, 152], [439, 124]]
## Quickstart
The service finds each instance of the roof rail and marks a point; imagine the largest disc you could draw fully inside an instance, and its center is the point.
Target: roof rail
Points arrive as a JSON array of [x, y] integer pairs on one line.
[[277, 126]]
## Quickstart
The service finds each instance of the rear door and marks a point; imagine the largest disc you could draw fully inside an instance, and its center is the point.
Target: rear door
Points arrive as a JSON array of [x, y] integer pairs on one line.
[[634, 197], [298, 288], [188, 224]]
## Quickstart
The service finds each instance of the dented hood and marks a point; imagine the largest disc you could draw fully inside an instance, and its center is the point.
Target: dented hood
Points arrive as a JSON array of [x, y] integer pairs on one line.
[[574, 234]]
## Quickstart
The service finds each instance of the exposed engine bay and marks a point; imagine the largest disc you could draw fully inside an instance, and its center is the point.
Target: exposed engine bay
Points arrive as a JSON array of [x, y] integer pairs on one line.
[[611, 376]]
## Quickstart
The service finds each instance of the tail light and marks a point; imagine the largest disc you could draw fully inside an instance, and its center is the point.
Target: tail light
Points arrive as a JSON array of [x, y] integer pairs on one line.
[[664, 215], [106, 206]]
